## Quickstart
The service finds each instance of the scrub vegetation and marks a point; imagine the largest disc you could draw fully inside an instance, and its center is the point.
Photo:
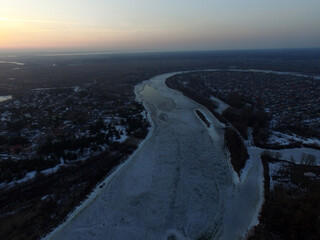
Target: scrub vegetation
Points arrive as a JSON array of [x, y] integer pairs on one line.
[[291, 209]]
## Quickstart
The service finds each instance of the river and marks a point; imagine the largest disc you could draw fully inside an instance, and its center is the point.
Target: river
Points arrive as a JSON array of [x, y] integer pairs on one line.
[[179, 184]]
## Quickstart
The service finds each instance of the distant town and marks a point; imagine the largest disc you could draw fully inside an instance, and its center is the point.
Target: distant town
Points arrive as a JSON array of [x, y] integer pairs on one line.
[[54, 127], [292, 102], [59, 143]]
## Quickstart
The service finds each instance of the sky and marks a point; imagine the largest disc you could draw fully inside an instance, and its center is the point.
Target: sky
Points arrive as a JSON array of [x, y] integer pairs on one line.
[[152, 25]]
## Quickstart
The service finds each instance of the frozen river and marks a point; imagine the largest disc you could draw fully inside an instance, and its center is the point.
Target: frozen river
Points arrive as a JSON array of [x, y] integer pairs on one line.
[[177, 185]]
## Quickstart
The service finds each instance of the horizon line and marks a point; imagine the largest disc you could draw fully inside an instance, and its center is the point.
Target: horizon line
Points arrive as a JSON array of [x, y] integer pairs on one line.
[[57, 52]]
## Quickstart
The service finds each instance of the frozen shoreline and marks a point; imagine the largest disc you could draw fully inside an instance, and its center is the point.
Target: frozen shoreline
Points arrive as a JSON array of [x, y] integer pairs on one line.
[[156, 193], [166, 188], [98, 189]]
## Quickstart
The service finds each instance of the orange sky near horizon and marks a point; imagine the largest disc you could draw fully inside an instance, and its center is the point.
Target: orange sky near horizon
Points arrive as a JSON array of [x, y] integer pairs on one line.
[[43, 34], [158, 25], [19, 33]]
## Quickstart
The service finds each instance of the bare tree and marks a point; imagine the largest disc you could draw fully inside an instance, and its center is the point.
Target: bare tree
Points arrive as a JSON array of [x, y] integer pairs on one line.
[[303, 159], [311, 160]]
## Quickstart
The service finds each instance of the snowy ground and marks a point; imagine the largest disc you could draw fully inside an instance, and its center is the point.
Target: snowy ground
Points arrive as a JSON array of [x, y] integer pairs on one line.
[[286, 139], [296, 154], [179, 183], [242, 212], [221, 105], [274, 169]]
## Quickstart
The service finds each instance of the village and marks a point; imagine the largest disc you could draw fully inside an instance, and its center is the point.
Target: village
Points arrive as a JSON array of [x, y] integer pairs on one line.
[[292, 101], [49, 128]]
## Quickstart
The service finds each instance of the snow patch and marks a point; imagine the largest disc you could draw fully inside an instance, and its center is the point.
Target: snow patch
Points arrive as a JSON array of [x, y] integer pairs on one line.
[[221, 105], [285, 139], [274, 168], [296, 154]]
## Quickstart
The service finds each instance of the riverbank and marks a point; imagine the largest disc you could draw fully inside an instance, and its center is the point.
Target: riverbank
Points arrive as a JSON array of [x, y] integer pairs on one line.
[[170, 184], [245, 202], [304, 156]]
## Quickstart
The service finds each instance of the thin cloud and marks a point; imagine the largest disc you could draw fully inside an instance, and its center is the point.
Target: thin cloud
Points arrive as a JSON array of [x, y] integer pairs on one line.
[[34, 21]]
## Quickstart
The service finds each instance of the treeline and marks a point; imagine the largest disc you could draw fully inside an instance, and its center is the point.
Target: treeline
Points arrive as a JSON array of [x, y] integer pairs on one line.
[[65, 148], [241, 114], [57, 147], [233, 99], [289, 212], [191, 93], [201, 97], [236, 146], [45, 201], [250, 116], [16, 169], [237, 149], [302, 129], [135, 127]]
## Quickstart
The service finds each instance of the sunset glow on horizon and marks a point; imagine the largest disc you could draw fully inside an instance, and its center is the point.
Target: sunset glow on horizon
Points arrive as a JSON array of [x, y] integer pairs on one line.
[[155, 25]]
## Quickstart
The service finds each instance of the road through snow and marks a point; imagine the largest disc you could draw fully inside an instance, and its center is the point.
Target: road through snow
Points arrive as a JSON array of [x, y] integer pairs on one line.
[[177, 185]]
